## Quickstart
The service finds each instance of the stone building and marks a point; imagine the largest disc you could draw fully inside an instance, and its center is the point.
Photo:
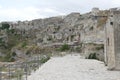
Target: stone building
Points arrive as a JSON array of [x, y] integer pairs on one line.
[[112, 43]]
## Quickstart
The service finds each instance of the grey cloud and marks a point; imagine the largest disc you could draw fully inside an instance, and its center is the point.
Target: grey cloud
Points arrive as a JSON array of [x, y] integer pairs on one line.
[[49, 8]]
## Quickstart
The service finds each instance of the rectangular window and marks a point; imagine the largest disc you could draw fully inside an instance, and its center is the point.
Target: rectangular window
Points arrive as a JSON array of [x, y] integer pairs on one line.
[[108, 41], [111, 15], [111, 23]]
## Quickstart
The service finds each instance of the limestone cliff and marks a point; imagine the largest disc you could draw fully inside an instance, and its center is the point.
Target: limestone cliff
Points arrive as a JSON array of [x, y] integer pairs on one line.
[[73, 28]]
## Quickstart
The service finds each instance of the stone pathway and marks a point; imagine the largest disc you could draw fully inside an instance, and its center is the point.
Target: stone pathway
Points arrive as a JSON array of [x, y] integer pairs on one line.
[[74, 67]]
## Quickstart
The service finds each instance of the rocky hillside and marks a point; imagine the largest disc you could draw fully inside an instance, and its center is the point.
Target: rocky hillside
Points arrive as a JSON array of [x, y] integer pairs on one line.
[[81, 30]]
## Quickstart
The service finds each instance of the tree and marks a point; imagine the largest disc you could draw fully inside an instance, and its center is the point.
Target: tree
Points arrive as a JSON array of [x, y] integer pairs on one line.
[[5, 26]]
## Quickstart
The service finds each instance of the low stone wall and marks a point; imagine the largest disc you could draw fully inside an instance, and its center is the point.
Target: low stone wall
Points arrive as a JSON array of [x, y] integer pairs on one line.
[[92, 48]]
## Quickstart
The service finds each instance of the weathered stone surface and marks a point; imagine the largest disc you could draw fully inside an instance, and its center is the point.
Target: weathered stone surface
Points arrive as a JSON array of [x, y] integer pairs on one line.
[[72, 28], [112, 46], [75, 27]]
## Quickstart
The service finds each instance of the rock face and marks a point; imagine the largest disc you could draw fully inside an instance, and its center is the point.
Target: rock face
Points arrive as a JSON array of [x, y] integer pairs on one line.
[[73, 28], [87, 29]]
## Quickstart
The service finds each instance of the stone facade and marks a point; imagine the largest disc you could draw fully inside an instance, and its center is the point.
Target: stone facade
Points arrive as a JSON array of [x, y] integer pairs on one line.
[[112, 44]]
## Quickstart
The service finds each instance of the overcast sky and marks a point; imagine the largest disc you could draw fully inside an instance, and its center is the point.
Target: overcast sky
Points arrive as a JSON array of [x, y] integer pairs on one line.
[[14, 10]]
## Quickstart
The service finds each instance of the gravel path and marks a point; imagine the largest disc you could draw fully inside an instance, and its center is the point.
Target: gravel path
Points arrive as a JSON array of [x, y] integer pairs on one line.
[[74, 67]]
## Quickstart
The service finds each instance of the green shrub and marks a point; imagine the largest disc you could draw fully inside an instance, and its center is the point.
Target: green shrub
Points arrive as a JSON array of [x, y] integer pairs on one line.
[[12, 31], [99, 48], [24, 44], [44, 59], [8, 58], [64, 47], [5, 26], [11, 60], [27, 53], [2, 42], [91, 28], [49, 39], [13, 54], [92, 56], [72, 36]]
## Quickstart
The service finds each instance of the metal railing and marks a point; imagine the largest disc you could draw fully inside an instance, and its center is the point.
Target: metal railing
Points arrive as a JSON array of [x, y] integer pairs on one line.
[[20, 71]]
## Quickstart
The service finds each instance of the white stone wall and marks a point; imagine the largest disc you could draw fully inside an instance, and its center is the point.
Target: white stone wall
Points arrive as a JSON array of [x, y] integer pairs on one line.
[[112, 40]]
